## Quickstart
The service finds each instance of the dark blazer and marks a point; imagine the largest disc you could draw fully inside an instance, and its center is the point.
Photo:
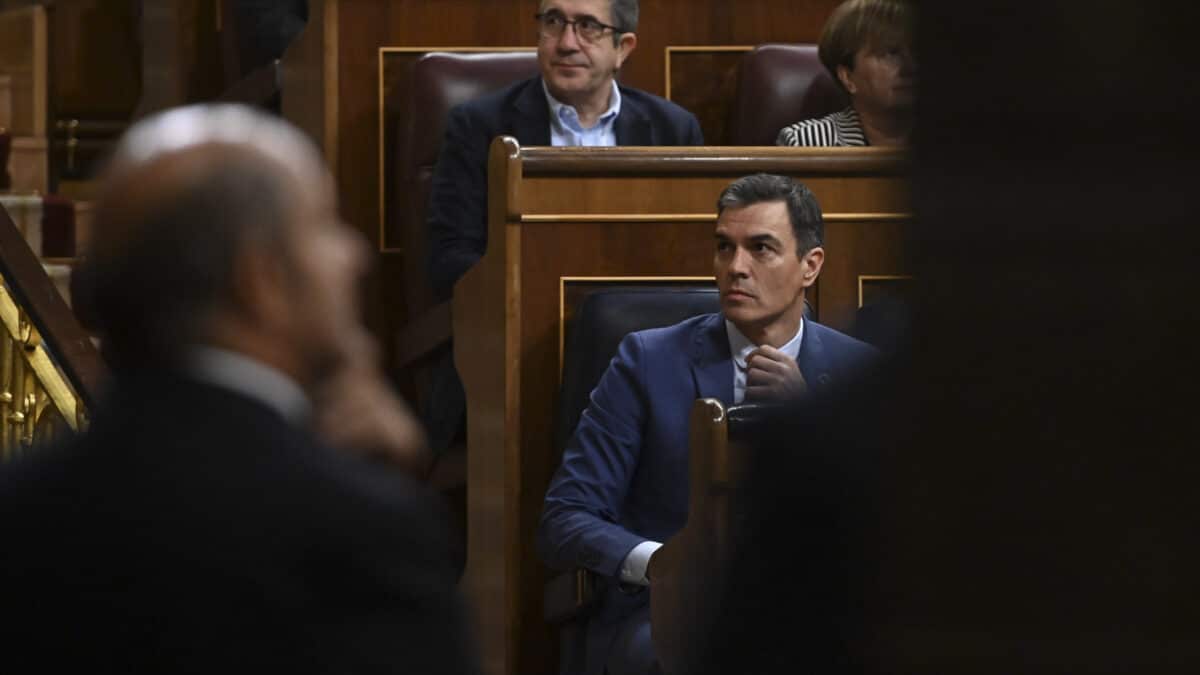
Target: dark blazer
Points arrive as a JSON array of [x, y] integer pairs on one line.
[[457, 213], [623, 477], [193, 530], [265, 28]]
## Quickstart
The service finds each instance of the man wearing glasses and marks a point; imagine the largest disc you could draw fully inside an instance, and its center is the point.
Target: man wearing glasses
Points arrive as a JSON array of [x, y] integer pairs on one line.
[[574, 101]]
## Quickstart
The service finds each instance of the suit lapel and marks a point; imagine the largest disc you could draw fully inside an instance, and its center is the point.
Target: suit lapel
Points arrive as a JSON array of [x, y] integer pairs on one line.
[[531, 120], [812, 360], [712, 365], [632, 126]]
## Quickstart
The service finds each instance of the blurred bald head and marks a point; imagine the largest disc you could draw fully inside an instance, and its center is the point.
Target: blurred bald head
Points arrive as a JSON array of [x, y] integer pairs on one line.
[[201, 235]]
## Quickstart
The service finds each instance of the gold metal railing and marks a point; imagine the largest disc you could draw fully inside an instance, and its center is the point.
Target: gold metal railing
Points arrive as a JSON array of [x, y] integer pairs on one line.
[[49, 369], [37, 404]]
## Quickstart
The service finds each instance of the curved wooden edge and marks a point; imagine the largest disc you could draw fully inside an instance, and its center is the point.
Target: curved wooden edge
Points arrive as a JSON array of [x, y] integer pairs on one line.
[[506, 150], [685, 565], [65, 338], [719, 160]]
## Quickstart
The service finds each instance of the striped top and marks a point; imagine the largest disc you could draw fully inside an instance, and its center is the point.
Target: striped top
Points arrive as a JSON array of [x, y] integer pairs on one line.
[[840, 128]]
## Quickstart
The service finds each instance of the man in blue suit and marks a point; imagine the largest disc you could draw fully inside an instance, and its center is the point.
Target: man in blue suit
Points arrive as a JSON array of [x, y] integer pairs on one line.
[[576, 101], [622, 488]]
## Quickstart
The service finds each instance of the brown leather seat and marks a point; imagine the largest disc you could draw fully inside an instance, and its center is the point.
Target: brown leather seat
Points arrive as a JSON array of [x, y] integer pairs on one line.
[[779, 84], [439, 81]]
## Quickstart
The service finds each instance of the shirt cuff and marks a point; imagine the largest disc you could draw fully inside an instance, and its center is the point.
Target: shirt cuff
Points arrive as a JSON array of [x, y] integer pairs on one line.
[[633, 568]]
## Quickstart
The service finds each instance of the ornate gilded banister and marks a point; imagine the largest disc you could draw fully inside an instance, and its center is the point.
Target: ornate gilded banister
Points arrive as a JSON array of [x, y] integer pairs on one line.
[[49, 369]]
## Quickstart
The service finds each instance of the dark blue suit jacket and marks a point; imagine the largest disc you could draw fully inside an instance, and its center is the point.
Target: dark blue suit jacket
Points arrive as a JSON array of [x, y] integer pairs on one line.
[[457, 215], [624, 474]]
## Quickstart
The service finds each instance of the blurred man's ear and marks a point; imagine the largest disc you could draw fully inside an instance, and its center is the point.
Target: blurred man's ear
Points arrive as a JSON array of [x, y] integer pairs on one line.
[[260, 286]]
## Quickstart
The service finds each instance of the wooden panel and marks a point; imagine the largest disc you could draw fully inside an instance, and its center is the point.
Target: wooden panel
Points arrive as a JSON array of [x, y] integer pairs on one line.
[[704, 81], [181, 61], [557, 213], [28, 164], [24, 54], [877, 288], [332, 73], [96, 62]]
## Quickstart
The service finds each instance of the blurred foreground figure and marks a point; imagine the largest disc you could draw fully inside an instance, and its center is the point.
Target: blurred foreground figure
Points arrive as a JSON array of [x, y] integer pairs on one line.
[[1021, 495], [197, 526]]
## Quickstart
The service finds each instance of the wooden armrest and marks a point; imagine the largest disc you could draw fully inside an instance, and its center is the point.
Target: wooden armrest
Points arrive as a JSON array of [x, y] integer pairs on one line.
[[258, 87], [569, 595], [420, 337]]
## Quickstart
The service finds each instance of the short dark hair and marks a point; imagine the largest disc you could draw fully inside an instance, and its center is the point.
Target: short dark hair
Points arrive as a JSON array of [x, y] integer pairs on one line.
[[803, 210], [624, 15], [855, 24], [149, 297]]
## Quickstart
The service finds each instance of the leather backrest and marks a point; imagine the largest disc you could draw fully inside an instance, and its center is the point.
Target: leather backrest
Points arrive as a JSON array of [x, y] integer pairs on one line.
[[778, 85], [603, 319], [439, 81]]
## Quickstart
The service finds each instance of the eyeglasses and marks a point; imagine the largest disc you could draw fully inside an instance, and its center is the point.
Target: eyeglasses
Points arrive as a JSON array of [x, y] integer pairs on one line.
[[552, 25]]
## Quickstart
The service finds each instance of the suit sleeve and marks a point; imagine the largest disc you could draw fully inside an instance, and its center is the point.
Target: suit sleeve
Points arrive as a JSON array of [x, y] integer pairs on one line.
[[694, 135], [393, 587], [579, 520], [456, 218]]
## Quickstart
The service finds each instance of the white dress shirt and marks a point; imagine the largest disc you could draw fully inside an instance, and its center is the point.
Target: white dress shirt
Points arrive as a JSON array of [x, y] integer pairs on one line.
[[252, 378], [565, 129]]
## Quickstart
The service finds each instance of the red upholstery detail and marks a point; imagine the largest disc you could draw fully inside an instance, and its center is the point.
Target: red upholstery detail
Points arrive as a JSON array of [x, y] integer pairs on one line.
[[780, 84]]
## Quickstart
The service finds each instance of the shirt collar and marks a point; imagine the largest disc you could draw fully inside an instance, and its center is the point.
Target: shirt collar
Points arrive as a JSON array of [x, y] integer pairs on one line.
[[251, 378], [740, 346], [561, 113]]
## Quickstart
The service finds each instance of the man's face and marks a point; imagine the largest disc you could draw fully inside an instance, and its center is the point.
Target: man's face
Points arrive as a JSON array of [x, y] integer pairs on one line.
[[884, 77], [573, 67], [760, 275], [325, 260]]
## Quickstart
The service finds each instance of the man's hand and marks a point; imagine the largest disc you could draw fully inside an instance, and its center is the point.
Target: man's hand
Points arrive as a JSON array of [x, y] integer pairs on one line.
[[772, 375], [358, 411]]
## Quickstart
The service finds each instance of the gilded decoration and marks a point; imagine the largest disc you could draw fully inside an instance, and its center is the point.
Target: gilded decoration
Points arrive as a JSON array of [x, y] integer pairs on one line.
[[37, 404]]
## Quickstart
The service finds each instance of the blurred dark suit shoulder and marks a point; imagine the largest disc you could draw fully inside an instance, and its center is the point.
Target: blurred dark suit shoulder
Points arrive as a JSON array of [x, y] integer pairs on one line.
[[194, 529]]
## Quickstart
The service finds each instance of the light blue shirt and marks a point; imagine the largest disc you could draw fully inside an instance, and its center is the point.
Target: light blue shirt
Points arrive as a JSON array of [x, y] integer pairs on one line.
[[565, 128]]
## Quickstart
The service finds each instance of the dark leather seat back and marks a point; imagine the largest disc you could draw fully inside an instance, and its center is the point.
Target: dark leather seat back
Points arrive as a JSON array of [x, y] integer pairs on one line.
[[778, 85], [439, 82], [604, 318]]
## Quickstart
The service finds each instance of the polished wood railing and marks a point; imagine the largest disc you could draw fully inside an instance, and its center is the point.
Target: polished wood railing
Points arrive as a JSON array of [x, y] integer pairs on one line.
[[50, 371]]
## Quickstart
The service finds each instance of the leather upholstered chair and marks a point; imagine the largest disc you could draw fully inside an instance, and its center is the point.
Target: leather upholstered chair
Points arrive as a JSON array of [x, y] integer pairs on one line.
[[603, 319], [440, 81], [778, 85]]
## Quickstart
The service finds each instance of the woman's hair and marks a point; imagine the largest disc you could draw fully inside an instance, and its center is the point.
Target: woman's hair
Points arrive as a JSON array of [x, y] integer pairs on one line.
[[858, 23]]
